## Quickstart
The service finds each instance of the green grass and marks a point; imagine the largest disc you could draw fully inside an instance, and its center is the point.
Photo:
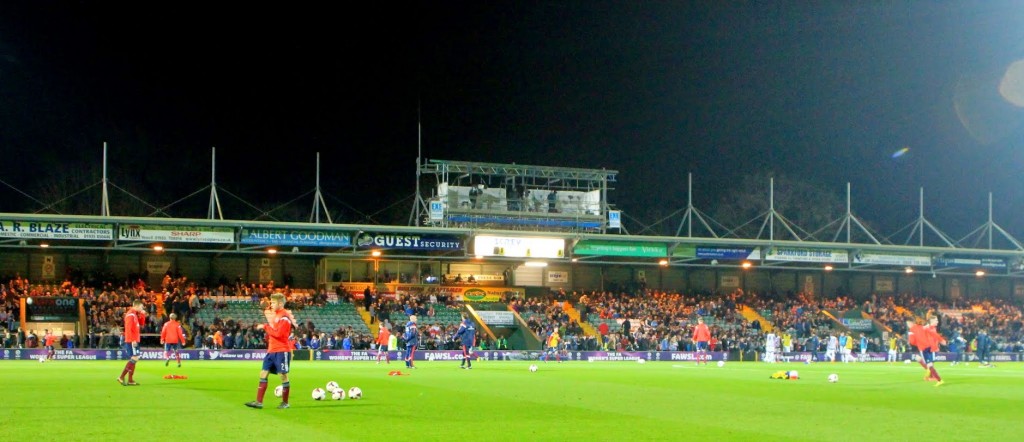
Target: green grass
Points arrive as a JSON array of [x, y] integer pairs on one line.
[[79, 400]]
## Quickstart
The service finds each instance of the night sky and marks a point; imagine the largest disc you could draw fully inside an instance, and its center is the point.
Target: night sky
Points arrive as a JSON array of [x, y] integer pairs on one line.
[[825, 94]]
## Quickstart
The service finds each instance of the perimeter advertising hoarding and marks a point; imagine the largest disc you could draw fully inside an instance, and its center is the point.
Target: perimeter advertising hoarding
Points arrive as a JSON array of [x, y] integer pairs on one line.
[[52, 230], [807, 255], [893, 259], [518, 247], [139, 232], [970, 261], [375, 240], [617, 248], [294, 237], [441, 355], [712, 252], [481, 294]]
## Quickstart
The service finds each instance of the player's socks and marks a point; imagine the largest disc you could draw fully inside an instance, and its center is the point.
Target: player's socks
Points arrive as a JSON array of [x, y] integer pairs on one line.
[[131, 373], [935, 374], [178, 357], [286, 388], [261, 390]]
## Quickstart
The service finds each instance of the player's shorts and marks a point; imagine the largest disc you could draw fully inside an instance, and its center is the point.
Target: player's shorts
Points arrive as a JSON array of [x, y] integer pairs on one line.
[[702, 345], [277, 363], [382, 349], [130, 349], [168, 347], [552, 350], [928, 356], [830, 354], [48, 347]]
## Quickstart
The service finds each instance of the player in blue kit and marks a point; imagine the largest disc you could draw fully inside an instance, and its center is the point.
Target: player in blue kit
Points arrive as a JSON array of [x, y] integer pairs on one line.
[[412, 339], [467, 334]]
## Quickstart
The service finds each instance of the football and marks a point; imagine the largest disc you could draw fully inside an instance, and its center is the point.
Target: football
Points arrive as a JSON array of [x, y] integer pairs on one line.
[[319, 394], [278, 391], [331, 386], [42, 359], [833, 378], [355, 393], [641, 361], [533, 367], [338, 394], [721, 363]]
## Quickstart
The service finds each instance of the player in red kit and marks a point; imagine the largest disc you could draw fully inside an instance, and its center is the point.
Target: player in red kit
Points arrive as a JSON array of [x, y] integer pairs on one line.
[[48, 339], [172, 336], [279, 351], [382, 344], [701, 336], [134, 319]]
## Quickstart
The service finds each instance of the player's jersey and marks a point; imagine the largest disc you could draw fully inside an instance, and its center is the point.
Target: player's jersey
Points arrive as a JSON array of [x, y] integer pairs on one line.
[[383, 337], [48, 339], [701, 333], [849, 343], [172, 333], [393, 342], [553, 340], [863, 344], [278, 330], [467, 333], [892, 344], [918, 337], [412, 334], [133, 321], [833, 344], [771, 342]]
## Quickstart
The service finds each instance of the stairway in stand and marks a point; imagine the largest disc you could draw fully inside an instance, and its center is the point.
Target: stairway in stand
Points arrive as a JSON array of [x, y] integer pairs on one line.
[[574, 314], [374, 327], [751, 314]]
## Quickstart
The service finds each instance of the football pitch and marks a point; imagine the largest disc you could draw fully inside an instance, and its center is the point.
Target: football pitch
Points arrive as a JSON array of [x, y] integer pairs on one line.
[[503, 400]]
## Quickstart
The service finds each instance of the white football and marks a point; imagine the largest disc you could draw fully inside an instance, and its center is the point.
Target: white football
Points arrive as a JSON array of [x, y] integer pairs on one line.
[[641, 361], [721, 363], [533, 367], [42, 359], [906, 361], [331, 386], [833, 378], [319, 394], [278, 391], [355, 393], [338, 394]]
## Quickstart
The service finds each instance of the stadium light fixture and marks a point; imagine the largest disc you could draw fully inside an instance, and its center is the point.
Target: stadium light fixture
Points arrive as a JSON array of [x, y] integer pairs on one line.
[[746, 265], [44, 245], [828, 268], [979, 273], [158, 248], [536, 264], [663, 263], [272, 251], [479, 256], [909, 270], [375, 253]]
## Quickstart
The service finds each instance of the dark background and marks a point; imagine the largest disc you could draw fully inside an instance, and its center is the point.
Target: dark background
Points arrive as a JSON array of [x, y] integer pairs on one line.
[[822, 94]]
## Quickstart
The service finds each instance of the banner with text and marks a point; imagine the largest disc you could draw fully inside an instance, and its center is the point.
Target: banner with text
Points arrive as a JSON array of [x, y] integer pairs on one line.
[[291, 237], [137, 232], [481, 294], [864, 325], [445, 355], [892, 259], [518, 247], [51, 230], [615, 248], [738, 253], [497, 318], [807, 255], [408, 241], [967, 261]]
